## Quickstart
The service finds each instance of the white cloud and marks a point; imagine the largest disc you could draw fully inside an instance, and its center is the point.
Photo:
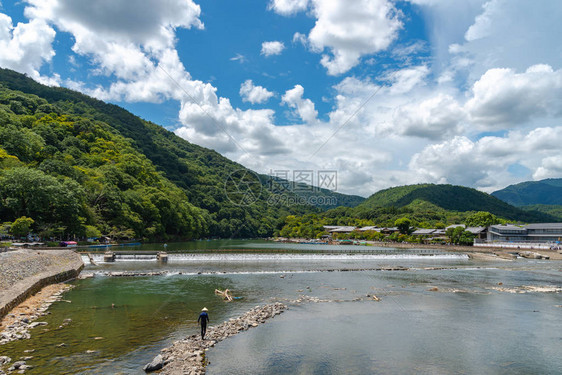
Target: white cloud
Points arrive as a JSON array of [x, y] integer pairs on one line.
[[304, 107], [300, 38], [347, 29], [434, 118], [484, 163], [239, 57], [272, 48], [254, 94], [482, 25], [150, 23], [551, 167], [135, 44], [404, 80], [26, 46], [512, 33], [352, 29], [288, 7], [503, 98]]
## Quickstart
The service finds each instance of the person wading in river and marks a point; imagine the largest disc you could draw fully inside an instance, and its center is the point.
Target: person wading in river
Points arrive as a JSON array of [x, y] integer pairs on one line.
[[203, 320]]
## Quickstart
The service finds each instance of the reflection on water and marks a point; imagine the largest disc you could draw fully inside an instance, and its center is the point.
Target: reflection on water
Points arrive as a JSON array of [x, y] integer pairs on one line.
[[433, 334], [446, 320]]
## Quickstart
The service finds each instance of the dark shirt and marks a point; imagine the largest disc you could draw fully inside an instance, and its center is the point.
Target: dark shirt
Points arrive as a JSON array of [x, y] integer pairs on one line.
[[203, 318]]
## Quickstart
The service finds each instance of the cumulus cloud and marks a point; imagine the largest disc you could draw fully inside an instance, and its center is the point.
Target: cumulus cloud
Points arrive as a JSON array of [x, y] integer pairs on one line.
[[131, 41], [26, 46], [272, 48], [551, 167], [150, 23], [434, 118], [347, 29], [404, 80], [288, 7], [503, 98], [484, 163], [304, 107], [254, 94]]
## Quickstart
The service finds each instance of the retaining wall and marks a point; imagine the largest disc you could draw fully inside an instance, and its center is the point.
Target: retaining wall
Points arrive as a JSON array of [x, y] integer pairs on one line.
[[25, 272]]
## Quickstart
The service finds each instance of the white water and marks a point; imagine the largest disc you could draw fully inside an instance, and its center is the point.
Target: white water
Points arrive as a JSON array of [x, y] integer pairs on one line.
[[178, 258]]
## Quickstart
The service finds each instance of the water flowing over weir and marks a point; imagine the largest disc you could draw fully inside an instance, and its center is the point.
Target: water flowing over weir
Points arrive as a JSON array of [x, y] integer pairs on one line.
[[293, 255]]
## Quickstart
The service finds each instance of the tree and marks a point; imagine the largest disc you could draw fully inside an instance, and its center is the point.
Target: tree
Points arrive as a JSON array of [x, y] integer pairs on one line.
[[22, 226], [458, 235], [482, 219], [403, 225], [92, 232]]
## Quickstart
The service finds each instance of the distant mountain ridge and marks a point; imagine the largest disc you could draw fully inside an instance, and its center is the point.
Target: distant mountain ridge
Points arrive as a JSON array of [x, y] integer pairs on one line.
[[448, 198], [544, 192]]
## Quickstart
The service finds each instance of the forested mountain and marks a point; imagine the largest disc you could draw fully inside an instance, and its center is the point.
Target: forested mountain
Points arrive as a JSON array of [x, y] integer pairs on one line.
[[448, 198], [75, 164], [552, 210], [423, 206], [545, 192]]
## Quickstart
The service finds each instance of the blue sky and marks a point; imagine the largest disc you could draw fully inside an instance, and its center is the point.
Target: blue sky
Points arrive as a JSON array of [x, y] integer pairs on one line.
[[415, 91]]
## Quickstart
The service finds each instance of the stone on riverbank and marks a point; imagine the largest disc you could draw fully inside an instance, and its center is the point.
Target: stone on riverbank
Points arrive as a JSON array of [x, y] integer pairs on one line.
[[16, 326], [156, 364]]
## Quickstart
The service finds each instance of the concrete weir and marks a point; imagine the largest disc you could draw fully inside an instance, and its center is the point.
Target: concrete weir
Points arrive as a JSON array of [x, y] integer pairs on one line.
[[24, 272]]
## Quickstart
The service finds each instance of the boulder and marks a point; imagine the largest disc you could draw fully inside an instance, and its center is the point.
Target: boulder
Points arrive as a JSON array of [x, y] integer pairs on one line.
[[156, 364], [18, 364]]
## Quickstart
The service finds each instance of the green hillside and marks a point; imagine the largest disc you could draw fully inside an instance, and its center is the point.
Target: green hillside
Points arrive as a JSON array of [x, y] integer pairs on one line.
[[545, 192], [424, 205], [552, 210], [124, 176], [448, 198]]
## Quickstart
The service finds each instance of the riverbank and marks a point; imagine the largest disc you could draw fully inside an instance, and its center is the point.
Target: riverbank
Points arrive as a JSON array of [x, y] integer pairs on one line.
[[17, 323], [25, 272], [480, 252]]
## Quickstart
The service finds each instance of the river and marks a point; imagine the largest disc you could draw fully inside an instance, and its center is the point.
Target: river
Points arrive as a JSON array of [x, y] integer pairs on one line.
[[445, 314]]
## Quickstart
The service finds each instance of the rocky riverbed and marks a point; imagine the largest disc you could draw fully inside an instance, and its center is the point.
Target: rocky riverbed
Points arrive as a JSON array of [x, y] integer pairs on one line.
[[18, 323], [188, 356]]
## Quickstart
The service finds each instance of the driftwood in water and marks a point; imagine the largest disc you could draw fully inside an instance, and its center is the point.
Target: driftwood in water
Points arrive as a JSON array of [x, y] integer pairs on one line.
[[92, 259], [225, 294]]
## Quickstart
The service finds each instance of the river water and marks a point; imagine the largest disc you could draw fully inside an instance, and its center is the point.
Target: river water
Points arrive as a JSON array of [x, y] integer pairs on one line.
[[445, 314]]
